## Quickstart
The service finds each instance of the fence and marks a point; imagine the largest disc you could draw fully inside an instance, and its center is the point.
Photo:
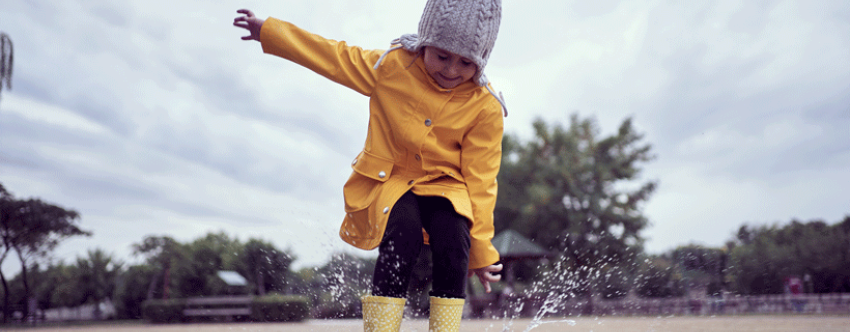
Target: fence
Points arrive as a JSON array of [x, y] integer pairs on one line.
[[728, 305]]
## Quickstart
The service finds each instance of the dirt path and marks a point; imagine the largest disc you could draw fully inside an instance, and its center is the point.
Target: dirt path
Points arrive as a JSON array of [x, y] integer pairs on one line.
[[603, 324]]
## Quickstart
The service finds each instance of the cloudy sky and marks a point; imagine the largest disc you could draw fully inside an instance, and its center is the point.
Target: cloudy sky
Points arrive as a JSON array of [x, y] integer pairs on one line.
[[153, 117]]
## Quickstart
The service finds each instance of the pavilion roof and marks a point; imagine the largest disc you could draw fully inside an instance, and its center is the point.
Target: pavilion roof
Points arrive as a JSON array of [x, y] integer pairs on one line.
[[511, 245]]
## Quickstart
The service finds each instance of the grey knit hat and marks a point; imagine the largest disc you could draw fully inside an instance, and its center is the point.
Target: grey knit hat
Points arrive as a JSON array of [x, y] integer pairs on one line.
[[464, 27]]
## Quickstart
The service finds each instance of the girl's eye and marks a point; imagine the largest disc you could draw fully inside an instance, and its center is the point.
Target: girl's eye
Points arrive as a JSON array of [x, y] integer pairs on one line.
[[442, 57], [466, 63]]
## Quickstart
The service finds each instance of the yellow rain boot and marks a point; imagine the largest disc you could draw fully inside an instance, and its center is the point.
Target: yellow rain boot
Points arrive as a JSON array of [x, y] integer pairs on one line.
[[445, 314], [382, 314]]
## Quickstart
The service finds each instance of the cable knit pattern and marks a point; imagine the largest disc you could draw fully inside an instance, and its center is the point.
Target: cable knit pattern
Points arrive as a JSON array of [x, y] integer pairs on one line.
[[445, 314], [382, 314], [465, 27]]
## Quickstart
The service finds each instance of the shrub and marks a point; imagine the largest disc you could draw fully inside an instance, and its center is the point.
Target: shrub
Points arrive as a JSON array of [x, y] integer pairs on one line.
[[163, 311], [280, 308]]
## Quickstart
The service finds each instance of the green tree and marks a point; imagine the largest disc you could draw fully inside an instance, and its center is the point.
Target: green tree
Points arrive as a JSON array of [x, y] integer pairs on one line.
[[162, 252], [32, 229], [337, 286], [657, 277], [764, 256], [97, 275], [197, 274], [577, 193], [264, 265], [701, 267], [132, 289]]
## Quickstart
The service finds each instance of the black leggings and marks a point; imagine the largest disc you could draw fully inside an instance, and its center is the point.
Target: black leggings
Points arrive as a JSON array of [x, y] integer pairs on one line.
[[448, 236]]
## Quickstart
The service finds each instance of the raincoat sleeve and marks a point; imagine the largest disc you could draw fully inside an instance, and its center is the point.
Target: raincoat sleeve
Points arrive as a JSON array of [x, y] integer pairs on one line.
[[350, 66], [481, 156]]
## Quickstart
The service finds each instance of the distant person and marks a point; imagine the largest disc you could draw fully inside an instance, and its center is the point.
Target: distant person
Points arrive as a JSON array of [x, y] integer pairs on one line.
[[432, 151]]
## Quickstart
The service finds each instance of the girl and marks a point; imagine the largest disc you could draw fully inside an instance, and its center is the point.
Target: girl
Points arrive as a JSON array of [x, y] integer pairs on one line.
[[427, 172]]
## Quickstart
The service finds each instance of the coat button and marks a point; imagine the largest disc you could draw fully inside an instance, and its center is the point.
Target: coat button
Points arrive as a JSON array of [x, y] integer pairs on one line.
[[418, 158], [410, 183], [382, 174], [386, 209], [428, 122], [354, 162]]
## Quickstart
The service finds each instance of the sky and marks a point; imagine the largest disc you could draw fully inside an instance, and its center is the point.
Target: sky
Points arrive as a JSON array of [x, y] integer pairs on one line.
[[155, 118]]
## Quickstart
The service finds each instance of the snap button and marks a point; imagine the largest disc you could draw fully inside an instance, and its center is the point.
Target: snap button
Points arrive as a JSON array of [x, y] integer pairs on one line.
[[428, 122], [354, 162], [418, 158], [382, 174], [410, 183], [386, 209]]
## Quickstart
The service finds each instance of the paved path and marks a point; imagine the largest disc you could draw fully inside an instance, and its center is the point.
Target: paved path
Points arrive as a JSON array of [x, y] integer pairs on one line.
[[602, 324]]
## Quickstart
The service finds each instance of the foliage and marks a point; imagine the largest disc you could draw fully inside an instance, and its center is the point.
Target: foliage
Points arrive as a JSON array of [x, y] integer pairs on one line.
[[266, 266], [657, 277], [32, 228], [763, 256], [336, 287], [280, 308], [576, 193], [7, 57], [131, 290], [702, 268]]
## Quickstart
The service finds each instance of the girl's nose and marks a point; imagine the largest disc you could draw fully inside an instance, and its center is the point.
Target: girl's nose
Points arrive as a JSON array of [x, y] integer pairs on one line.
[[452, 69]]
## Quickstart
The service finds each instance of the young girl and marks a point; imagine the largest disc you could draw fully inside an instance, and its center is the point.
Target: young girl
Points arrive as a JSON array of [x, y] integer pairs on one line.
[[427, 172]]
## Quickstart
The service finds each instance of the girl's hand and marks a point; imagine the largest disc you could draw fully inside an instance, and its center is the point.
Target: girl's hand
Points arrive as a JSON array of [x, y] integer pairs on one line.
[[250, 23], [485, 275]]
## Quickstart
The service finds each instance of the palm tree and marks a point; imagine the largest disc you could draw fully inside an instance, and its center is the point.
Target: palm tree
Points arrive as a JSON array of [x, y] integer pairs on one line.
[[6, 56]]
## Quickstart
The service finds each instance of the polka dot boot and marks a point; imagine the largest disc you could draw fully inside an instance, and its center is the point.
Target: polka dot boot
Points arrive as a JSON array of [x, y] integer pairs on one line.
[[445, 314], [382, 314]]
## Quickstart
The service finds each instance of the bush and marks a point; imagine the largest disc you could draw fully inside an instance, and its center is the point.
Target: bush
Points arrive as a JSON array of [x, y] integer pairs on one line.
[[280, 308], [163, 311]]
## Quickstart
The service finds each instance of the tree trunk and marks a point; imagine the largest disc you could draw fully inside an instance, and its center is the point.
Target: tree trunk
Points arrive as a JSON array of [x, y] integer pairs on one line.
[[152, 286], [166, 282], [26, 284], [6, 308], [261, 285]]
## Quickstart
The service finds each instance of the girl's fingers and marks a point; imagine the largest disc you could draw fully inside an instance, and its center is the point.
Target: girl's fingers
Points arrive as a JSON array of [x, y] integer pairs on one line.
[[246, 12]]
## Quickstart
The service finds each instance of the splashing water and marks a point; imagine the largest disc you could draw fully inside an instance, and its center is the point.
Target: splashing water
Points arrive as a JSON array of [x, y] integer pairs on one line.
[[556, 287]]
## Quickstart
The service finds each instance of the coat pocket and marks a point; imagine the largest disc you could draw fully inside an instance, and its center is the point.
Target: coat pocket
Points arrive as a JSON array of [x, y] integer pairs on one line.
[[363, 185]]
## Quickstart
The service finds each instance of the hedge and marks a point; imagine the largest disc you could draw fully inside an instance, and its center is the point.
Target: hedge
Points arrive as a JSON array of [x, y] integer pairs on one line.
[[280, 308], [270, 308], [163, 311]]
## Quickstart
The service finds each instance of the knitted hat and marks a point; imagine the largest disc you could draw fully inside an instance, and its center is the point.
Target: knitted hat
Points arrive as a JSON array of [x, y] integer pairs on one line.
[[464, 27]]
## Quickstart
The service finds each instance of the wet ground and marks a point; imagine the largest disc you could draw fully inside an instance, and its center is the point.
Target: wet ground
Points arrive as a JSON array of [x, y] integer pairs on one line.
[[601, 324]]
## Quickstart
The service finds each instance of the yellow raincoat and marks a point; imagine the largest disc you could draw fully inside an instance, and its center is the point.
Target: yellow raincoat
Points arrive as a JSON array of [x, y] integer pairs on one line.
[[421, 137]]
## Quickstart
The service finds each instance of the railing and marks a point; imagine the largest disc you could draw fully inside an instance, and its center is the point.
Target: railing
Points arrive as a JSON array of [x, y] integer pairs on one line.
[[730, 305]]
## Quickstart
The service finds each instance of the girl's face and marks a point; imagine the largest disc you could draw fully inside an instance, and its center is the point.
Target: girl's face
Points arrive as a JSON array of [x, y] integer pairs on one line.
[[447, 68]]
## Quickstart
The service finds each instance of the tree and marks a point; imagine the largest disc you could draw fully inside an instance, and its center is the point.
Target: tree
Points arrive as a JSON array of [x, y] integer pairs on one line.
[[32, 229], [7, 54], [264, 265], [574, 192], [97, 276], [197, 275], [163, 252], [763, 256], [132, 289], [702, 268]]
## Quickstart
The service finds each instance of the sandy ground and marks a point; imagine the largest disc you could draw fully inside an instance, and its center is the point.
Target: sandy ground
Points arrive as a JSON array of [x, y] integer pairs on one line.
[[601, 324]]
